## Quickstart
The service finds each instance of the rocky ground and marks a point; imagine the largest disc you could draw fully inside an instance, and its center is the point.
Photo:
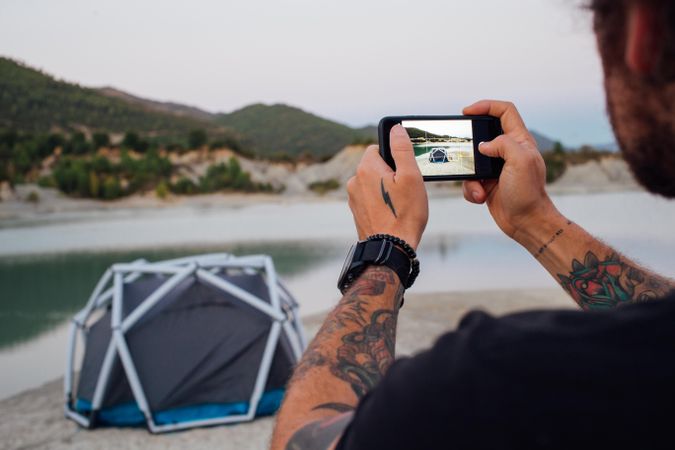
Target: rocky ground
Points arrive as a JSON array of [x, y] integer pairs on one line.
[[34, 419]]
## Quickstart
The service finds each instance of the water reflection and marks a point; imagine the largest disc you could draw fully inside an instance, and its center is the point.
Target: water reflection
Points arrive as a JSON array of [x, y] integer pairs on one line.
[[40, 292]]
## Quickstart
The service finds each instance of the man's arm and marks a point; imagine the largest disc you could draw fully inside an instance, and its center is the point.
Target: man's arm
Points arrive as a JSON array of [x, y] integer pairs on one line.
[[355, 346], [348, 356], [594, 274]]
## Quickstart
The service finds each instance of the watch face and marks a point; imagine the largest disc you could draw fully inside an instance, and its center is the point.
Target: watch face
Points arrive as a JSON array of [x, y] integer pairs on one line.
[[347, 264]]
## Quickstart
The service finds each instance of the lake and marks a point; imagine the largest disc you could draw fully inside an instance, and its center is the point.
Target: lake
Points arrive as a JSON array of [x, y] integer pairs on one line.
[[48, 270]]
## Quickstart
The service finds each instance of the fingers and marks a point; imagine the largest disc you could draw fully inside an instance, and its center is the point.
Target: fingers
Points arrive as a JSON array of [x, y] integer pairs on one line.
[[402, 150], [506, 111], [478, 191], [473, 191]]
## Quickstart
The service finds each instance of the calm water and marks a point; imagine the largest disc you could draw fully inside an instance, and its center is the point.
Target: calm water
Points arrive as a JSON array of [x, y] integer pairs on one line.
[[42, 283]]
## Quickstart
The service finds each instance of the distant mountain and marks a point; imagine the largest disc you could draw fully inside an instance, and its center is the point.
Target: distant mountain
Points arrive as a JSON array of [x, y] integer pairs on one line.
[[544, 143], [33, 101], [164, 107], [275, 130]]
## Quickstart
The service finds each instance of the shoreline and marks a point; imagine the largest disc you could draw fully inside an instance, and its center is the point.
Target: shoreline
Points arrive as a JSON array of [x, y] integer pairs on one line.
[[34, 418]]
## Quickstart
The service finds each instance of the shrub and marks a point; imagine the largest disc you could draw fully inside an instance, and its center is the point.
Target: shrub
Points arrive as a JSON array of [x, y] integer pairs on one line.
[[33, 197], [197, 139], [100, 139], [184, 186], [162, 190], [111, 188], [322, 187]]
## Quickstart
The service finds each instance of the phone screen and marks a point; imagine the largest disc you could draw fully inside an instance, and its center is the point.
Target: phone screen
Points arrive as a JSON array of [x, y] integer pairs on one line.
[[442, 147]]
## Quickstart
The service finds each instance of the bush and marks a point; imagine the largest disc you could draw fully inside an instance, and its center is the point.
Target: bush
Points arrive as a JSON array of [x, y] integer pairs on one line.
[[162, 190], [556, 165], [100, 139], [133, 141], [197, 139], [77, 145], [184, 186], [322, 187], [33, 197], [111, 188]]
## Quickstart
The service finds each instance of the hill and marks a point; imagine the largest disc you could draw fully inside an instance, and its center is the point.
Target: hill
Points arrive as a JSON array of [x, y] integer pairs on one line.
[[282, 130], [33, 101]]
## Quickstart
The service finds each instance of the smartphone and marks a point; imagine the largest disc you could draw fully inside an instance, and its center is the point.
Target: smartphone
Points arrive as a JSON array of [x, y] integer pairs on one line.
[[446, 147]]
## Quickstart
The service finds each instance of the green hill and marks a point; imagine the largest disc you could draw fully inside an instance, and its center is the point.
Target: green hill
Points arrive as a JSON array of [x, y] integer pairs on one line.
[[281, 130], [32, 101]]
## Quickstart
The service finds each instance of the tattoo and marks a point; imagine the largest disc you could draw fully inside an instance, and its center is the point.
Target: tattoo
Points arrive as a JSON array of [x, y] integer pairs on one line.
[[365, 355], [387, 198], [596, 284], [339, 407], [319, 434], [351, 309], [543, 248]]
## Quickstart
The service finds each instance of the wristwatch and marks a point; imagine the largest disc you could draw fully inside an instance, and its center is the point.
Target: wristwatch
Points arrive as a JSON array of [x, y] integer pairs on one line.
[[378, 252]]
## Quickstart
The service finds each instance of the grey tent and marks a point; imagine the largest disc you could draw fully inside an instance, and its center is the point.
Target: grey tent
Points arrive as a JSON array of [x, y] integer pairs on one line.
[[188, 342]]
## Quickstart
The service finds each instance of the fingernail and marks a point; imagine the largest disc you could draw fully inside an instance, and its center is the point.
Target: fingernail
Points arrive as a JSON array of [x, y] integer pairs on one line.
[[475, 195], [481, 143], [398, 128]]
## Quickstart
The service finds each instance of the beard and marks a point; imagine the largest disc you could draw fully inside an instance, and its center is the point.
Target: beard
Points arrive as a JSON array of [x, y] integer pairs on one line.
[[642, 118]]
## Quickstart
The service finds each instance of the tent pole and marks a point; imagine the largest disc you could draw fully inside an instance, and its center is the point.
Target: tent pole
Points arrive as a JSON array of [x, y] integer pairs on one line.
[[155, 297], [245, 296], [264, 370], [104, 376]]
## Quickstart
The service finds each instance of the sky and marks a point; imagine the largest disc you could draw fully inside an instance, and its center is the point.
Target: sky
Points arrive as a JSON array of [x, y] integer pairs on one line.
[[353, 61]]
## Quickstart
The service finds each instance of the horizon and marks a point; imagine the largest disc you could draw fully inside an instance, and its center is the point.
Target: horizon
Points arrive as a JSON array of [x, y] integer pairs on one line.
[[187, 55]]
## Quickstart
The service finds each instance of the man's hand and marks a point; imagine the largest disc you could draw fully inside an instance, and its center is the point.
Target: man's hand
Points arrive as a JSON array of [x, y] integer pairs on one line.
[[518, 199], [384, 201], [595, 275]]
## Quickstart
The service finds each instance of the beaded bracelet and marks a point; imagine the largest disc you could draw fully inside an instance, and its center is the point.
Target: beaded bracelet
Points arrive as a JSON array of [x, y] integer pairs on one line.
[[414, 262]]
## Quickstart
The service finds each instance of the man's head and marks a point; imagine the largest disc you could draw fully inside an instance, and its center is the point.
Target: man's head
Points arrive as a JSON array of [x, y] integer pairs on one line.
[[636, 39]]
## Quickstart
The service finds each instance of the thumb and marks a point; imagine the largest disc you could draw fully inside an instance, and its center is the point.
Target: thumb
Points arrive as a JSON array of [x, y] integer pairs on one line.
[[402, 150], [502, 146]]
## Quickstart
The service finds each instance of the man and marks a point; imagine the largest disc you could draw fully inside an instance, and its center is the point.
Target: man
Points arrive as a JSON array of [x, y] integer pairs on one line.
[[560, 379]]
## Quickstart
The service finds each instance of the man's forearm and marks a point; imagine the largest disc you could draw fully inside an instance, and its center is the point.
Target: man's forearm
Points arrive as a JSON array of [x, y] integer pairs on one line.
[[348, 356], [594, 274]]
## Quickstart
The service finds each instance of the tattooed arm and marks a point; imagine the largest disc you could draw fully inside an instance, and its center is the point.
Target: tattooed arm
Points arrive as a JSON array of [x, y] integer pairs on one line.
[[348, 356], [355, 346], [595, 275]]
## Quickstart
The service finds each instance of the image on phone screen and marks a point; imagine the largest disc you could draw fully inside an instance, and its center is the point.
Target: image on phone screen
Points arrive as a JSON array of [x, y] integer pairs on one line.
[[442, 147]]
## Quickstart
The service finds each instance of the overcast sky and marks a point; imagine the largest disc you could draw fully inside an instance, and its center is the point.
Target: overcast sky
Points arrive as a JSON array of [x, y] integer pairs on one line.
[[350, 60]]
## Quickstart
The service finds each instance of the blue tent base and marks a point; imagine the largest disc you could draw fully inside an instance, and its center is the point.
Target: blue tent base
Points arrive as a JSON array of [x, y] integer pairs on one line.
[[129, 415]]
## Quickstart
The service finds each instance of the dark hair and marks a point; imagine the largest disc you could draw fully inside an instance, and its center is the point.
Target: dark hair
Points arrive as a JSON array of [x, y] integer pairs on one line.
[[609, 20]]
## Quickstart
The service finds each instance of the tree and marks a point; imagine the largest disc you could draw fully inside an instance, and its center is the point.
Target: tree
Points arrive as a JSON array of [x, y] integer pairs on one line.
[[558, 148], [77, 145], [111, 188], [133, 141], [197, 139], [100, 139]]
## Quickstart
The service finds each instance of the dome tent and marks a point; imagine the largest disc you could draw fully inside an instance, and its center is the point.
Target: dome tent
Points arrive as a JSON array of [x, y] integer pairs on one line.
[[188, 342]]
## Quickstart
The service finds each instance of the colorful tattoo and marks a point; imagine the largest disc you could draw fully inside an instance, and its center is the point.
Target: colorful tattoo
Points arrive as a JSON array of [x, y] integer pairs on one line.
[[319, 434], [596, 284]]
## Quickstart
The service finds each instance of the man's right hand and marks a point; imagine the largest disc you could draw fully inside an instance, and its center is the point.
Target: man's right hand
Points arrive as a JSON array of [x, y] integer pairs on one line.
[[518, 199]]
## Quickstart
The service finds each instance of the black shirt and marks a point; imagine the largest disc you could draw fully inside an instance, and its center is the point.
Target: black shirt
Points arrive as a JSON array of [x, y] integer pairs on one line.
[[554, 379]]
